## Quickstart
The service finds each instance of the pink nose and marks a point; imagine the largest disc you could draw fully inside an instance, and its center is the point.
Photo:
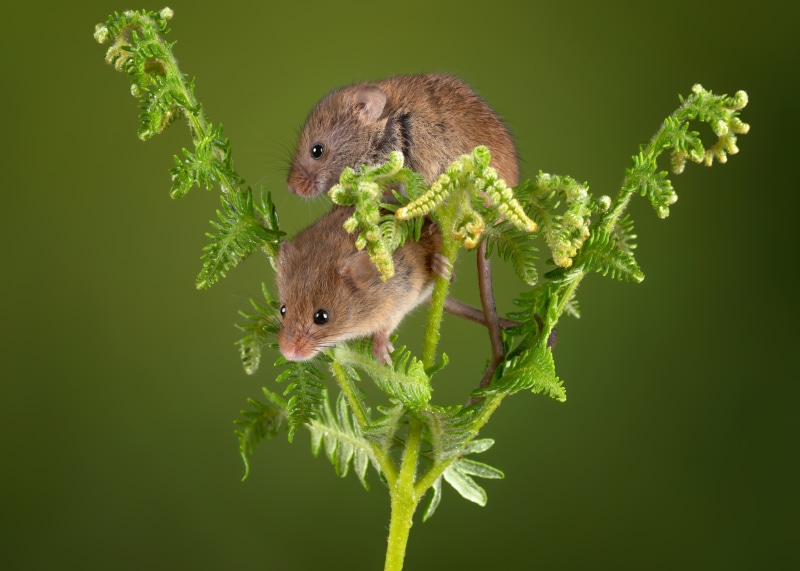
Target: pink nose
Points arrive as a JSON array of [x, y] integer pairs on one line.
[[294, 348]]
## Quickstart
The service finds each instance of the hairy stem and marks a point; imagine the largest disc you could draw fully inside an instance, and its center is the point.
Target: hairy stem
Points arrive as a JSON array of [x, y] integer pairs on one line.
[[450, 248], [404, 499]]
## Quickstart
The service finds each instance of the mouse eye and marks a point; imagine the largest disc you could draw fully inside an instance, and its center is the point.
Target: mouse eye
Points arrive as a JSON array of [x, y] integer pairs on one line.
[[317, 150], [283, 311], [321, 317]]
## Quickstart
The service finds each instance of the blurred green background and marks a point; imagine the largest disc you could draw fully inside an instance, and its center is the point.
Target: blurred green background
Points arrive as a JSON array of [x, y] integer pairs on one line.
[[678, 445]]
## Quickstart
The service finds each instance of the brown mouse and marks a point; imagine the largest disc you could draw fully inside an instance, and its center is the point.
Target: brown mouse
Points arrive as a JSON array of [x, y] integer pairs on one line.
[[433, 119], [331, 292]]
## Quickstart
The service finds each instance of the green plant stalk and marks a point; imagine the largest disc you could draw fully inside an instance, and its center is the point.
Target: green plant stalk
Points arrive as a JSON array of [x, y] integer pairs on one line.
[[450, 248], [404, 499]]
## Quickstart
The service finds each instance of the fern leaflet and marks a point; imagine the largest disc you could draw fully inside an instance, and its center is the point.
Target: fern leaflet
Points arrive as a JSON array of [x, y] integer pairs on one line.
[[265, 420], [241, 230], [344, 442], [259, 328], [305, 391], [601, 254], [516, 246], [404, 380]]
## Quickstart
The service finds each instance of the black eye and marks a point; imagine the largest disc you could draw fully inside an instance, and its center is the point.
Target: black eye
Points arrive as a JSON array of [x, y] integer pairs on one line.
[[317, 150], [283, 311], [321, 317]]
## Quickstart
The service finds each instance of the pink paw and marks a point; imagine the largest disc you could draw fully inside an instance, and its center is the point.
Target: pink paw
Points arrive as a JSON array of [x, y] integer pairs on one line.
[[441, 266], [381, 347]]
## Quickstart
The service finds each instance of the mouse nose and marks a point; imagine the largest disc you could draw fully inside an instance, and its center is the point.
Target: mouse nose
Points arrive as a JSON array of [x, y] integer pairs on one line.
[[300, 183]]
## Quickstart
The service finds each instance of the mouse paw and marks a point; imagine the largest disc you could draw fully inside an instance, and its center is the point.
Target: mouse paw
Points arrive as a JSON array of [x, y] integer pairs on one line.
[[381, 347], [441, 266]]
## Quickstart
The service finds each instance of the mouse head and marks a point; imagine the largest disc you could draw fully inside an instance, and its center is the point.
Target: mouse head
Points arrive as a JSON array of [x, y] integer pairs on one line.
[[324, 297], [344, 129]]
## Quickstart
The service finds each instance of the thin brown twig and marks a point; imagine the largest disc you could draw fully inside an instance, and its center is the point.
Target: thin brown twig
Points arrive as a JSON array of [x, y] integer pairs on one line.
[[490, 315]]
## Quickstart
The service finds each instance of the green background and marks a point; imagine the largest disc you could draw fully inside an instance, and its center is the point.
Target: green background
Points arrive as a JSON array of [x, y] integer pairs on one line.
[[678, 445]]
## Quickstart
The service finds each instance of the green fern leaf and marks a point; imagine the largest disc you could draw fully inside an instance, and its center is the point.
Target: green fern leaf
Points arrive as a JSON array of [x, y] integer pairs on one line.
[[624, 237], [459, 475], [516, 246], [532, 305], [265, 420], [382, 430], [532, 369], [305, 391], [404, 380], [645, 178], [448, 430], [240, 231], [436, 498], [343, 440], [259, 328], [601, 254]]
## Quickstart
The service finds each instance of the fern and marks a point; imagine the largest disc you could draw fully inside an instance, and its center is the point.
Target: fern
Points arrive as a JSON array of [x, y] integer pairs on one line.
[[259, 328], [382, 431], [624, 236], [265, 421], [601, 254], [459, 475], [449, 429], [343, 440], [470, 204], [305, 391], [240, 232], [564, 233], [515, 246], [404, 380]]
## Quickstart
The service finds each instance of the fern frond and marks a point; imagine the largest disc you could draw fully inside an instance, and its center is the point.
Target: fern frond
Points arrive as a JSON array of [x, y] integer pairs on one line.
[[258, 329], [532, 304], [382, 430], [515, 246], [305, 391], [601, 254], [448, 430], [459, 475], [344, 442], [532, 369], [165, 94], [210, 163], [241, 230], [563, 233], [624, 236], [265, 420], [404, 380]]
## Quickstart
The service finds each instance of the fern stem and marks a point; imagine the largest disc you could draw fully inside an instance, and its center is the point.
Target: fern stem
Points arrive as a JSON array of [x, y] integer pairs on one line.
[[388, 467], [404, 499], [450, 248]]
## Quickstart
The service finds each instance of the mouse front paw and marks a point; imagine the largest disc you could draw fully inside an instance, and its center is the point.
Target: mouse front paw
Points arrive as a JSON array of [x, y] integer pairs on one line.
[[381, 347]]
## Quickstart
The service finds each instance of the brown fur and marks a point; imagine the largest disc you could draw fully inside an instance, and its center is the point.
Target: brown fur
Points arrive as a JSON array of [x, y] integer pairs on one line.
[[433, 119], [321, 269]]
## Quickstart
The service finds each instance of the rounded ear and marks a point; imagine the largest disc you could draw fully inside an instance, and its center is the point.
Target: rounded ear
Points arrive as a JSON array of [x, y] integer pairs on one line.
[[369, 103], [359, 271], [284, 250]]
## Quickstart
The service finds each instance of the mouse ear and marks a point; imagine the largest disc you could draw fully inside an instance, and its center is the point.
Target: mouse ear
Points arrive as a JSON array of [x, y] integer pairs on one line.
[[284, 250], [369, 102], [359, 272]]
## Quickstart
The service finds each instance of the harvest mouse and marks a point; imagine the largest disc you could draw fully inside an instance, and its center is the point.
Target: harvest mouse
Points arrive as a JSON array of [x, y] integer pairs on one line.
[[433, 119], [331, 292]]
